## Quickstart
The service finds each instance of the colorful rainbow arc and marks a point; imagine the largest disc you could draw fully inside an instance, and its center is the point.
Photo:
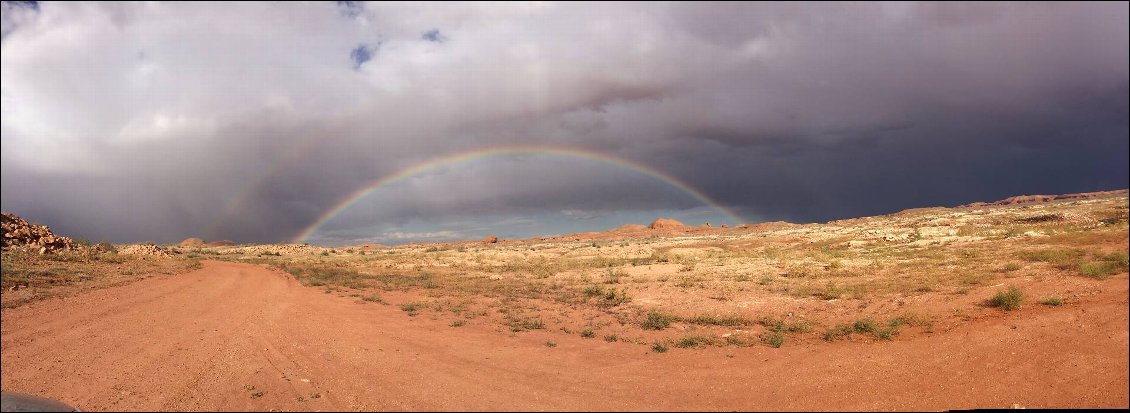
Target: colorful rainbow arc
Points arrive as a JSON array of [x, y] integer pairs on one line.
[[507, 150]]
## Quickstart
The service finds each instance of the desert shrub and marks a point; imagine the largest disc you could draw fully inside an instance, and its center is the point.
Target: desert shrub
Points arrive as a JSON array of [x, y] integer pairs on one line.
[[524, 324], [774, 324], [593, 291], [1007, 300], [613, 277], [740, 341], [1107, 265], [838, 332], [693, 341], [864, 325], [656, 321], [716, 320], [774, 339], [1062, 259], [106, 247], [373, 298], [410, 308], [614, 298]]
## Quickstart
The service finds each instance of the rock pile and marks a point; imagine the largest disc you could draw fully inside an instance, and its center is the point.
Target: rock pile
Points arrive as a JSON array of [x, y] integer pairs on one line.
[[144, 249], [276, 249], [22, 234], [490, 239]]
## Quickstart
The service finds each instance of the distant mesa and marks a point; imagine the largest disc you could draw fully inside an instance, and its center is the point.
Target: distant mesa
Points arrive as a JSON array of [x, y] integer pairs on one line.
[[192, 242], [664, 223], [629, 228], [22, 234], [768, 226], [490, 239], [197, 242], [1024, 199]]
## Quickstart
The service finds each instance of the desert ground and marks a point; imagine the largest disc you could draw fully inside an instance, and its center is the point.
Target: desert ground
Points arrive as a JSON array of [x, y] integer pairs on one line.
[[1022, 303]]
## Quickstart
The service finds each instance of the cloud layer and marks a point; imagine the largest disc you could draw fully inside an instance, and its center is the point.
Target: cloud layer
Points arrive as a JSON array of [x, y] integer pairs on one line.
[[248, 121]]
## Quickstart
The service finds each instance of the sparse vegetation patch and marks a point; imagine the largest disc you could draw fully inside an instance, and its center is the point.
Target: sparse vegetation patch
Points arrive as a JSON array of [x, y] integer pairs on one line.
[[1007, 300]]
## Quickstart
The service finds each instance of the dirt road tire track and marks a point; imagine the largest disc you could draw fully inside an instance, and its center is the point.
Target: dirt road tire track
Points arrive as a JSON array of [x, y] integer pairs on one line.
[[242, 337]]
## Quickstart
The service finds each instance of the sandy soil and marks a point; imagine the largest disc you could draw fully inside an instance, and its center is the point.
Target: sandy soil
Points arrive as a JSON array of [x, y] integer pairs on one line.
[[234, 336]]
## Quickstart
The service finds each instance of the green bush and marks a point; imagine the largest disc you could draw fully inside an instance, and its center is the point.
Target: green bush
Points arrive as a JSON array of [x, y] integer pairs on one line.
[[1007, 300], [866, 325], [656, 321], [693, 341], [774, 339]]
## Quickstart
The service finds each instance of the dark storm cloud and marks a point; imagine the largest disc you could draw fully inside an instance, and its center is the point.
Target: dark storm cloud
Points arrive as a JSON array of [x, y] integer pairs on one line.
[[243, 122], [350, 8], [433, 35], [16, 13], [361, 54]]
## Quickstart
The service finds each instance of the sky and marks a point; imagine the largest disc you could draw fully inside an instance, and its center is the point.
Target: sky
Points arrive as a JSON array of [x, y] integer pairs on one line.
[[260, 122]]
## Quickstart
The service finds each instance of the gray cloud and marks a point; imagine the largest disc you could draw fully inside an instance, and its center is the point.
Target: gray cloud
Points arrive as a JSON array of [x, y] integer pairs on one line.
[[159, 121]]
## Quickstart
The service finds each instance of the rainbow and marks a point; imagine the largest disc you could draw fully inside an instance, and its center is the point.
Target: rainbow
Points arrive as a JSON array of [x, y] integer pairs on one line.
[[365, 190]]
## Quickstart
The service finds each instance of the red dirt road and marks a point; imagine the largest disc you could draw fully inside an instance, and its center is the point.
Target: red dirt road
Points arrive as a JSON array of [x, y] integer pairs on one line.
[[201, 340]]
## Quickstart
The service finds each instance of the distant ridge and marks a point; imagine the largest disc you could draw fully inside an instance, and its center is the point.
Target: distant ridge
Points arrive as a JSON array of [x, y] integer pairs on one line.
[[1024, 199]]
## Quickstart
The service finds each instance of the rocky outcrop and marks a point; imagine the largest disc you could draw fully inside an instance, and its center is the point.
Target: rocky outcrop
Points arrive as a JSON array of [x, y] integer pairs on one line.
[[192, 242], [664, 223], [22, 234], [490, 239]]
